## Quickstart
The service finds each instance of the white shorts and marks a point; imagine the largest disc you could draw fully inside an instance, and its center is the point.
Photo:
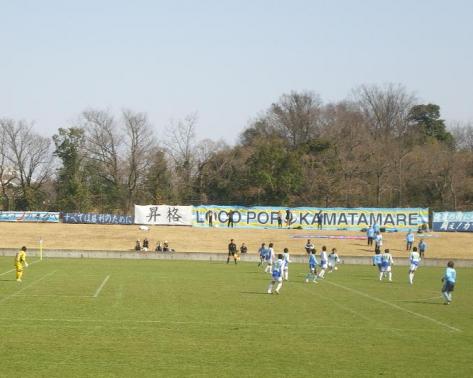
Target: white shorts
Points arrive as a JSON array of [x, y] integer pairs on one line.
[[276, 279], [332, 264], [413, 267], [323, 266], [386, 268]]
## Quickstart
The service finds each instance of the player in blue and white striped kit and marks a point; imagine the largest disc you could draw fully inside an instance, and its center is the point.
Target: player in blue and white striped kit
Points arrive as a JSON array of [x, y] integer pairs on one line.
[[333, 259], [323, 262], [378, 263], [276, 274], [312, 275], [386, 263], [449, 279], [269, 258], [414, 260], [287, 260]]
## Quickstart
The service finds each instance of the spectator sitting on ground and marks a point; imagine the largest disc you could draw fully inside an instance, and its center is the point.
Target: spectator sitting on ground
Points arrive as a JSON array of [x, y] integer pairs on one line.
[[158, 248], [138, 246], [145, 245], [243, 248], [166, 247]]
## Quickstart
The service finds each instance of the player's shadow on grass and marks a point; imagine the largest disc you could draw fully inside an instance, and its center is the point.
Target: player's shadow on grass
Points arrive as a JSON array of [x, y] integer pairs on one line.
[[8, 280]]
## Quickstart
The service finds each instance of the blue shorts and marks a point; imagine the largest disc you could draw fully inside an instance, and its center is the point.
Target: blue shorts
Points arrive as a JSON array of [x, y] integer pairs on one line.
[[448, 287]]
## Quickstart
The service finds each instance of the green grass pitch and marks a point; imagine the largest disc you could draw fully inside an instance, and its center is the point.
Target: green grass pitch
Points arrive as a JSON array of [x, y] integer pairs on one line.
[[182, 318]]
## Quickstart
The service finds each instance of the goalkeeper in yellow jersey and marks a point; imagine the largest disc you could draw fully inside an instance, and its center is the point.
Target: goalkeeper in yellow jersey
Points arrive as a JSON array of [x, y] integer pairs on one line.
[[20, 263]]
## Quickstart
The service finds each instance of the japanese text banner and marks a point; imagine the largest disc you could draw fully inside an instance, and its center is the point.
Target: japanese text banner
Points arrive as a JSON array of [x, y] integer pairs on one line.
[[163, 215]]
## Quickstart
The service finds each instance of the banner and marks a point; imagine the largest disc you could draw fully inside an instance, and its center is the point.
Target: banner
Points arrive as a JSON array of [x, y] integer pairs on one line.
[[163, 215], [311, 218], [92, 218], [453, 221], [29, 216]]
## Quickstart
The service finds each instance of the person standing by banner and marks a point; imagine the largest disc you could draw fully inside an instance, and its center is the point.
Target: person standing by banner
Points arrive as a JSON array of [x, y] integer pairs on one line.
[[210, 217], [230, 218], [370, 235], [288, 218]]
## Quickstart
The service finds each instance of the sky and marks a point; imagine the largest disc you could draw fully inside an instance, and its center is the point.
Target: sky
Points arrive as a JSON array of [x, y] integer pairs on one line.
[[225, 60]]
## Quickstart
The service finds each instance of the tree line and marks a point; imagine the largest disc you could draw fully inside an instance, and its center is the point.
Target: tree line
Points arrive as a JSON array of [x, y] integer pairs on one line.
[[378, 148]]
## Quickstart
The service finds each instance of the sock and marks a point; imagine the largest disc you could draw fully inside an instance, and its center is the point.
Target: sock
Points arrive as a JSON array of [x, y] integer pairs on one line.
[[286, 275], [411, 278], [445, 295], [390, 276], [381, 274], [228, 260], [270, 288], [278, 286]]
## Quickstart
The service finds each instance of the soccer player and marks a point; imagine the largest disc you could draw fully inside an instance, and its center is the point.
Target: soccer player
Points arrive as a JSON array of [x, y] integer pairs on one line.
[[370, 235], [422, 247], [20, 263], [409, 240], [276, 274], [386, 264], [333, 259], [378, 263], [262, 254], [378, 241], [269, 258], [323, 262], [287, 260], [449, 279], [309, 247], [414, 259], [312, 275], [232, 251]]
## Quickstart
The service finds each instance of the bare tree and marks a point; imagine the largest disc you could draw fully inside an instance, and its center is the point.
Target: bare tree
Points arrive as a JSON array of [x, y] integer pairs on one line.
[[104, 143], [296, 117], [29, 155], [180, 146], [140, 145]]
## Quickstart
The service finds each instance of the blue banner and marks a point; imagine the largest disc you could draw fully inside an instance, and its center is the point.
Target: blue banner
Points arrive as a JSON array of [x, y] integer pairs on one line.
[[309, 217], [29, 216], [91, 218], [453, 221]]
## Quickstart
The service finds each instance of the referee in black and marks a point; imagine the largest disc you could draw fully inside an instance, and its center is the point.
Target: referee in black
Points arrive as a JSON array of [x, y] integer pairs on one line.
[[232, 251]]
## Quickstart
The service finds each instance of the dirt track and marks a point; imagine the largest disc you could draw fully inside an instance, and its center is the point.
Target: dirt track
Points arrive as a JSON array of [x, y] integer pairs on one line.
[[188, 239]]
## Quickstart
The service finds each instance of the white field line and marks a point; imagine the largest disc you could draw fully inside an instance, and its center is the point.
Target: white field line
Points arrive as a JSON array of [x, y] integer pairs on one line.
[[101, 287], [55, 295], [348, 309], [127, 323], [12, 270], [415, 299], [26, 287], [395, 306]]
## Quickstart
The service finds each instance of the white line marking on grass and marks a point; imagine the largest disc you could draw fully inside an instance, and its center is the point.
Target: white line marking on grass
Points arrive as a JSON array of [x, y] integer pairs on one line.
[[394, 306], [101, 286], [26, 287], [348, 309], [55, 295], [417, 299], [12, 270]]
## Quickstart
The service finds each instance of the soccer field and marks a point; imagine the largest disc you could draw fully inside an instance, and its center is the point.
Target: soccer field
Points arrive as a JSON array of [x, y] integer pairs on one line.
[[130, 318]]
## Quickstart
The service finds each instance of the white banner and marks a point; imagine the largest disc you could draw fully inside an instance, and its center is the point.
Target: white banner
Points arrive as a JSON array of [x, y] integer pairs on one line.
[[163, 215]]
